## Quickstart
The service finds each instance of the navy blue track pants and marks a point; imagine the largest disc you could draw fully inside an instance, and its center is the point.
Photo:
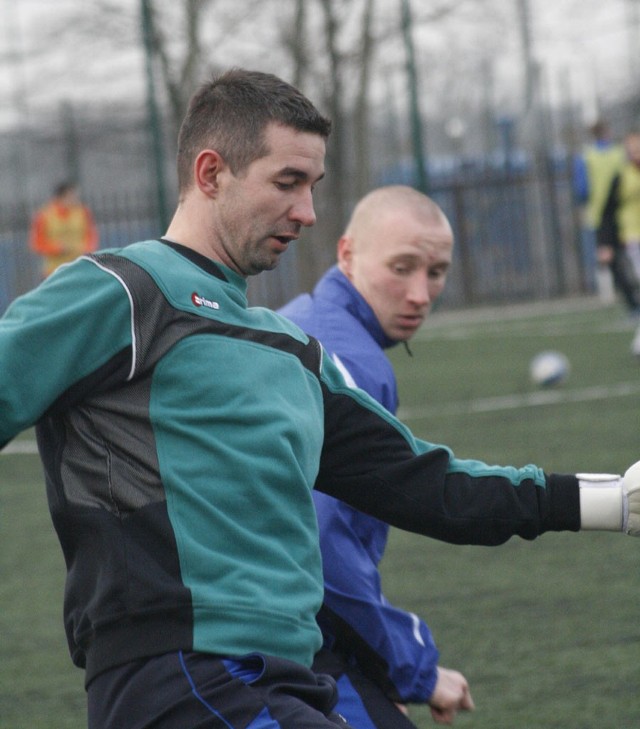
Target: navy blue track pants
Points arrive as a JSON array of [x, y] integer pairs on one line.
[[361, 701], [186, 690]]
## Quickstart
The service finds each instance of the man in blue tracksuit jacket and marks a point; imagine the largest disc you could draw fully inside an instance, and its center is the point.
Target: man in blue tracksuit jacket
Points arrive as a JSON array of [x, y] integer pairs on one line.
[[394, 256]]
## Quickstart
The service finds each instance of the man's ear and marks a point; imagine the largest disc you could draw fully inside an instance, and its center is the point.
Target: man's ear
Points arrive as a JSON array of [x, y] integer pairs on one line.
[[345, 255], [206, 170]]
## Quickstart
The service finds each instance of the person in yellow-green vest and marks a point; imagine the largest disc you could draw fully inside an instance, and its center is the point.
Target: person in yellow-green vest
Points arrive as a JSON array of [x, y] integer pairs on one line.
[[626, 189], [594, 171], [62, 229], [619, 231]]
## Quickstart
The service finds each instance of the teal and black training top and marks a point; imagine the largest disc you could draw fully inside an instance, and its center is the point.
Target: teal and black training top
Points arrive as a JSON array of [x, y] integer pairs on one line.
[[182, 432]]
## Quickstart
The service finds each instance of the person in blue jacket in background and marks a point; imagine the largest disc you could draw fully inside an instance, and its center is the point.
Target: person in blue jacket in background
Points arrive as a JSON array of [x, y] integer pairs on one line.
[[393, 260]]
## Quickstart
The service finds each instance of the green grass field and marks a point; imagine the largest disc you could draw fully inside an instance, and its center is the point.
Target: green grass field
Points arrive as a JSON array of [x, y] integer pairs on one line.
[[546, 632]]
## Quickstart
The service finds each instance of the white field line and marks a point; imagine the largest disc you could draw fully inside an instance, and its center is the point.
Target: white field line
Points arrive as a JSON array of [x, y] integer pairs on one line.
[[524, 320], [480, 405], [20, 448], [449, 328], [500, 319], [512, 402]]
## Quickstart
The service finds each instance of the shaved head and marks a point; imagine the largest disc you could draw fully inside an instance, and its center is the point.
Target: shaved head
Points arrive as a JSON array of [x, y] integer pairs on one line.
[[391, 201], [396, 251]]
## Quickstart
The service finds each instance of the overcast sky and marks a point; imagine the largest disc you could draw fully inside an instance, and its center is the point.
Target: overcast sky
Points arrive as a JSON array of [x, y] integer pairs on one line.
[[587, 44]]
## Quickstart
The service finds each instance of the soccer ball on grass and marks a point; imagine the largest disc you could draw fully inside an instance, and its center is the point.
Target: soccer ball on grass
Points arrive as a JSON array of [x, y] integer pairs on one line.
[[548, 369]]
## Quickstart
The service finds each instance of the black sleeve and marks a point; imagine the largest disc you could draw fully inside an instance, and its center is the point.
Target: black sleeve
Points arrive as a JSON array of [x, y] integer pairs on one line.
[[607, 233], [371, 462]]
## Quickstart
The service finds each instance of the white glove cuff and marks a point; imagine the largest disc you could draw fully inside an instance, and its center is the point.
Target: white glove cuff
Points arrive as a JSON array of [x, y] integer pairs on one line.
[[631, 490], [602, 502]]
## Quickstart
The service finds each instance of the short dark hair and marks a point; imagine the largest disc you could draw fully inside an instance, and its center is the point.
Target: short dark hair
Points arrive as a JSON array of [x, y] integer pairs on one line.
[[230, 114], [600, 129], [62, 188]]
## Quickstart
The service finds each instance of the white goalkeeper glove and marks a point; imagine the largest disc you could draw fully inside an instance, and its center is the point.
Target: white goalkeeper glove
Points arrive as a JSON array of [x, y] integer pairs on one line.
[[611, 503]]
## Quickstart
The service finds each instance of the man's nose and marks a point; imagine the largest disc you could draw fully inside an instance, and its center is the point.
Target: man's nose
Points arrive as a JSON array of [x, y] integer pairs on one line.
[[418, 293], [303, 211]]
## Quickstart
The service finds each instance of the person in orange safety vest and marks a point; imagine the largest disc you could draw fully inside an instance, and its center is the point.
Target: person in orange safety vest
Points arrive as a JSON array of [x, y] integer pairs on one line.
[[62, 229]]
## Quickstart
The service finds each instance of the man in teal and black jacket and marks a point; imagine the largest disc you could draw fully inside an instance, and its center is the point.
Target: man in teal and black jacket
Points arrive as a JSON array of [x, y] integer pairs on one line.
[[182, 433]]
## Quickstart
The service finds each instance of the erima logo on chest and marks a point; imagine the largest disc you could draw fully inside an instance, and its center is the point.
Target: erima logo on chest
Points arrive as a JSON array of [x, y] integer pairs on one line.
[[201, 301]]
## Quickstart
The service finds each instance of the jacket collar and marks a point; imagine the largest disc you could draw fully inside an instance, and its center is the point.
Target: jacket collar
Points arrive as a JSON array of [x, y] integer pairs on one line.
[[335, 288]]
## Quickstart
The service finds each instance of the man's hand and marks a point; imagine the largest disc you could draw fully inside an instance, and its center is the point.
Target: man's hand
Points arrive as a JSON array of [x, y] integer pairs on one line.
[[609, 502], [631, 488], [450, 695]]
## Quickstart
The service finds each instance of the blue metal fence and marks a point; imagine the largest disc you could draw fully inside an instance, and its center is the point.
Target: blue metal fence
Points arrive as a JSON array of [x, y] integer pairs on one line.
[[517, 239]]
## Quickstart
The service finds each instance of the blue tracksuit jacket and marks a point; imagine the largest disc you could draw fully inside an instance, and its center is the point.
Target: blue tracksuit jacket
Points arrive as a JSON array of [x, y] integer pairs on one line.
[[395, 647]]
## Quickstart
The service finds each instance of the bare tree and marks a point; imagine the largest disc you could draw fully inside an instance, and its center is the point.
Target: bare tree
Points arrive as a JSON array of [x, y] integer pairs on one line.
[[295, 42], [179, 71], [184, 39], [362, 128], [337, 149], [341, 66]]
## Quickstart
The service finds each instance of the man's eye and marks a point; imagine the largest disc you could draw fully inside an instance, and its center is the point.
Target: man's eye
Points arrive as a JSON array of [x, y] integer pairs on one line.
[[285, 185]]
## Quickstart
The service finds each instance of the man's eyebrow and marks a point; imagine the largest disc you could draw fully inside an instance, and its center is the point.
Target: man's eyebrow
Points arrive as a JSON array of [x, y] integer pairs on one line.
[[297, 173], [405, 255]]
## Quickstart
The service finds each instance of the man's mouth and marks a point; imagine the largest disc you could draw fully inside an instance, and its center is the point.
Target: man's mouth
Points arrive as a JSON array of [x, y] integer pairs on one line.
[[411, 320], [285, 239]]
